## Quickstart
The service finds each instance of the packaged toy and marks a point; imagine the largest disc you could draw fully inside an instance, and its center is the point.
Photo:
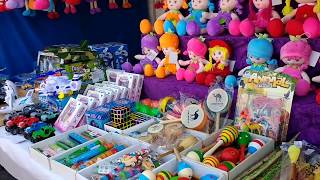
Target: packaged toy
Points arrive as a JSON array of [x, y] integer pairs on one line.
[[228, 11], [302, 20], [256, 21], [260, 51], [196, 50], [264, 103], [219, 53], [296, 54], [169, 44], [196, 21], [125, 4]]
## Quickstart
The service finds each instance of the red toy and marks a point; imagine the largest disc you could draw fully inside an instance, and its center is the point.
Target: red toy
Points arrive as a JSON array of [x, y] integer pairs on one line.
[[226, 166], [19, 123], [243, 141], [3, 5], [27, 122], [230, 154]]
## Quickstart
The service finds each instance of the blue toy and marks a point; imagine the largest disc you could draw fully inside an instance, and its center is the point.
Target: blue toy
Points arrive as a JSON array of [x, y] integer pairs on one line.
[[209, 177], [34, 127], [78, 138]]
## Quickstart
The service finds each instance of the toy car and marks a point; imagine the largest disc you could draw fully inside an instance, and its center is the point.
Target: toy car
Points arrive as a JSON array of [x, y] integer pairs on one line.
[[34, 127], [43, 133], [49, 117], [26, 123], [12, 124]]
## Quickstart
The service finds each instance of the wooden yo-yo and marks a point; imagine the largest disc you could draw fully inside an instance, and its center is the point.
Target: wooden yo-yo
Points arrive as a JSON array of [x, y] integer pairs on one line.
[[217, 102], [294, 153], [185, 143], [194, 117]]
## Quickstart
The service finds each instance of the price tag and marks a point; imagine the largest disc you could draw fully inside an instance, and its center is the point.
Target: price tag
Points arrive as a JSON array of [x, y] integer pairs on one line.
[[152, 55], [173, 57], [314, 58]]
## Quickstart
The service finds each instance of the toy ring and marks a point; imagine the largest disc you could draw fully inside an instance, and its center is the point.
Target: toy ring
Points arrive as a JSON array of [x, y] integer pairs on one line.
[[164, 102]]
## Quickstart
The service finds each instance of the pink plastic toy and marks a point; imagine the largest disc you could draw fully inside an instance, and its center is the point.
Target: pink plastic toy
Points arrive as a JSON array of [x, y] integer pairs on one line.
[[196, 51], [295, 54]]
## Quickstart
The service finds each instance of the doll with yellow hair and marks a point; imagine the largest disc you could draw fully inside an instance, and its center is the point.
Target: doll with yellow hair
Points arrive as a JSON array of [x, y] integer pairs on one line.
[[302, 20], [169, 44], [219, 52]]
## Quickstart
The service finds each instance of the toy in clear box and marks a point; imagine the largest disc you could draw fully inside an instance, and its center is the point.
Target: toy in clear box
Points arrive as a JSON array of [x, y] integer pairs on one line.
[[264, 103]]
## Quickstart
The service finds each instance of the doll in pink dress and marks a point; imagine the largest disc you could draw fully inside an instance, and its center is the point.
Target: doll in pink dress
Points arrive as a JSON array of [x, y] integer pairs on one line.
[[296, 54], [196, 50]]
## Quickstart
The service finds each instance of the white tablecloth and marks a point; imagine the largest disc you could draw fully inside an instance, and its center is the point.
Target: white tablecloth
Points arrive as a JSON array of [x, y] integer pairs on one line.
[[15, 158]]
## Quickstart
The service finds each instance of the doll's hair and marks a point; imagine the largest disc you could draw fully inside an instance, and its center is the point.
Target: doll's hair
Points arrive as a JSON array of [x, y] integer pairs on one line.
[[316, 8], [211, 6], [224, 50], [287, 8], [169, 40], [266, 14], [239, 7], [184, 4]]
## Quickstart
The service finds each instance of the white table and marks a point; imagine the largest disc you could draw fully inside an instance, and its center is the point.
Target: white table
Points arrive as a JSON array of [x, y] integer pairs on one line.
[[15, 158]]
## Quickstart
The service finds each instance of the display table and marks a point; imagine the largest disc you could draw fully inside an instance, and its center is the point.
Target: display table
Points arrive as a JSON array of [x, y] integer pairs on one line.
[[15, 158]]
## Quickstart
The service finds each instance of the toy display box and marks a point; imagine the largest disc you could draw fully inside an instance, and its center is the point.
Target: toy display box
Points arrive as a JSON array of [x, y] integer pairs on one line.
[[69, 173], [43, 159], [113, 53], [245, 164]]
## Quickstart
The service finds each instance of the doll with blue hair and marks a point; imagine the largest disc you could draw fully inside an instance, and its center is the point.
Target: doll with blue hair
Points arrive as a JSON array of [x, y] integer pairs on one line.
[[259, 55], [196, 22]]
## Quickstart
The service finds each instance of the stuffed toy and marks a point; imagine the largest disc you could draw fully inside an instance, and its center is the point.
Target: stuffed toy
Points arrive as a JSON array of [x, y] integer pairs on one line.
[[3, 5], [125, 4], [40, 5], [303, 19], [71, 6], [196, 50], [259, 55], [219, 52], [14, 4], [197, 19], [257, 21], [158, 4], [94, 9], [149, 47], [169, 44], [229, 10], [296, 54], [53, 14]]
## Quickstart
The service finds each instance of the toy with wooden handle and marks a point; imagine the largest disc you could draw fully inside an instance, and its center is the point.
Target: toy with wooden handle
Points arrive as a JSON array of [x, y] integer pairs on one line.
[[243, 141], [170, 121], [218, 115], [227, 136], [294, 153], [184, 169], [185, 143]]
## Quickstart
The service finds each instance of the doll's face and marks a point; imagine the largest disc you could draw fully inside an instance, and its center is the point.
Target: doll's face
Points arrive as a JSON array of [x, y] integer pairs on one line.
[[218, 56], [293, 60], [200, 4], [174, 4], [228, 5], [192, 56], [146, 50], [166, 51], [261, 4], [256, 60], [305, 1]]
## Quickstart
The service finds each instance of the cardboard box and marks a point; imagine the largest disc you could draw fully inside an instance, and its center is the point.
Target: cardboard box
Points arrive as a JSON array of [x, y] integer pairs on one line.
[[248, 162], [44, 160]]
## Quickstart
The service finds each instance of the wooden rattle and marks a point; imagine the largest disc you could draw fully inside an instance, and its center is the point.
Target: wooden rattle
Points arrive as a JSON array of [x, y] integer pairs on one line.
[[164, 175], [254, 146], [211, 161], [227, 136], [184, 169], [184, 144], [226, 166], [230, 154], [196, 155], [294, 153], [243, 141]]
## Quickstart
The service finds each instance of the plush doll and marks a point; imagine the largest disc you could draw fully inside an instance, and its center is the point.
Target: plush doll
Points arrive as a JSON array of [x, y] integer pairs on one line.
[[3, 5], [197, 19], [259, 55], [229, 10], [14, 4], [125, 4], [219, 52], [169, 44], [304, 19], [40, 5], [257, 21], [196, 50], [53, 14], [71, 6], [149, 47], [296, 54], [94, 9]]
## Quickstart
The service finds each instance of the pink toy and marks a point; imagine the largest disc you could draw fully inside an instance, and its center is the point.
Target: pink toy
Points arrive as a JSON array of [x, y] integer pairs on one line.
[[304, 19], [196, 51], [295, 54], [14, 4], [257, 21]]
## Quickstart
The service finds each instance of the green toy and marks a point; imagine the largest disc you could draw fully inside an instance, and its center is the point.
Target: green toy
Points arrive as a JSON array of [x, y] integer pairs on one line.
[[243, 140], [44, 133]]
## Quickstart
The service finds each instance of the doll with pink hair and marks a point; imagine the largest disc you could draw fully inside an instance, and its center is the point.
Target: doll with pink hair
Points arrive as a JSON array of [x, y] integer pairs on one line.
[[258, 21], [228, 11], [196, 50], [296, 54]]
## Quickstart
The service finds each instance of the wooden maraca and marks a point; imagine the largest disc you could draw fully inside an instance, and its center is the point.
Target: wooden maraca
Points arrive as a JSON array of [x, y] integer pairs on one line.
[[227, 136], [243, 141], [230, 154], [294, 153], [211, 161], [184, 170], [185, 143], [254, 146], [226, 166]]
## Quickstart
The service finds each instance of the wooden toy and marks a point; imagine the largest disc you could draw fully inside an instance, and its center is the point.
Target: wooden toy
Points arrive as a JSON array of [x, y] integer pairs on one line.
[[211, 161], [164, 175], [147, 175], [194, 117], [294, 153], [226, 166], [184, 169], [230, 154], [185, 143], [227, 136], [196, 155], [243, 141], [209, 177], [254, 146]]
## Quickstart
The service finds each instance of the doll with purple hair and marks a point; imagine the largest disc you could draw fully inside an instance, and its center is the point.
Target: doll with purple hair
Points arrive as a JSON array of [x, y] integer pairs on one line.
[[228, 10]]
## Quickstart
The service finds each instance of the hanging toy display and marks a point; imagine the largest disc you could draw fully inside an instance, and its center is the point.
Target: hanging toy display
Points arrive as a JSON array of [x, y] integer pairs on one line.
[[71, 6]]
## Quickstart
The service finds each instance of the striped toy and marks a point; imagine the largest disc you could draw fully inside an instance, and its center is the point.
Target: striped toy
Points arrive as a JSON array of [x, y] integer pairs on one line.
[[211, 161]]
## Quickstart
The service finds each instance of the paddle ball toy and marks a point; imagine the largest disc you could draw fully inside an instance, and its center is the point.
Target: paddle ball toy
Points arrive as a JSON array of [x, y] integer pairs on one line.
[[230, 154], [196, 155], [227, 136], [164, 175], [294, 153], [243, 141], [226, 166], [147, 175], [255, 145], [211, 161]]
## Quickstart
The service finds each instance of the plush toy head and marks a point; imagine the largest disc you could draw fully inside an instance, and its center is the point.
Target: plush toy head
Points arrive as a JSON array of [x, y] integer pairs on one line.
[[196, 47], [296, 53], [149, 42], [201, 5], [265, 5], [260, 51], [169, 42], [229, 5], [219, 51], [288, 9], [175, 4]]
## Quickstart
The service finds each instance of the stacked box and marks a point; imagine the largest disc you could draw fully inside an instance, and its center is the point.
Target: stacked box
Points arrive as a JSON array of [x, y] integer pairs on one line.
[[120, 114]]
